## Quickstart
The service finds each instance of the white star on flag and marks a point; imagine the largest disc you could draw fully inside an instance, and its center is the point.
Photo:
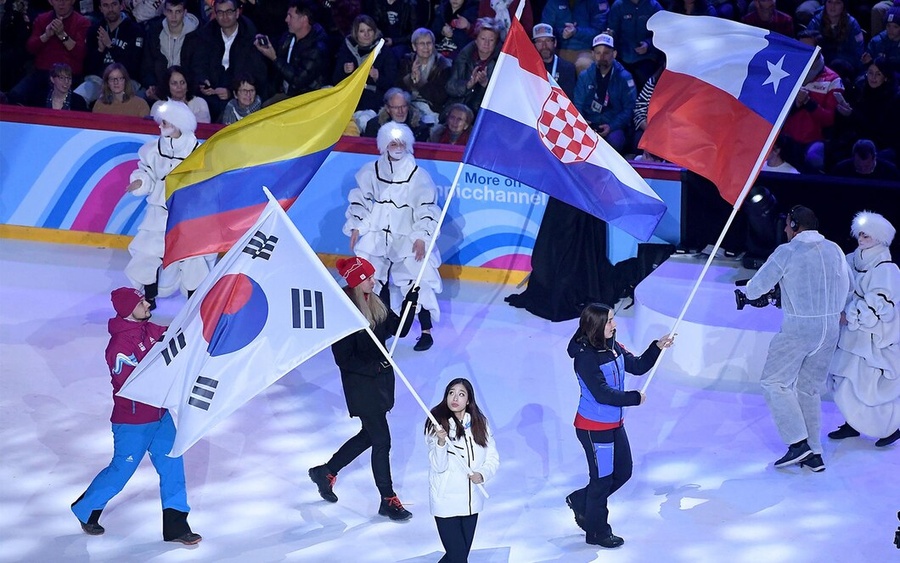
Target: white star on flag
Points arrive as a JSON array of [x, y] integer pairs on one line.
[[776, 73]]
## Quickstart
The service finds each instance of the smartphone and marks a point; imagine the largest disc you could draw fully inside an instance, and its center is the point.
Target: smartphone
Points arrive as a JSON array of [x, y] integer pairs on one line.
[[263, 41], [840, 98]]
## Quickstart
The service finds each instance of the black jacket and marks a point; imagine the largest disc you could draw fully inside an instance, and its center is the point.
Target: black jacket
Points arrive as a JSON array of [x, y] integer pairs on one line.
[[367, 377], [308, 67], [243, 58], [154, 63], [127, 48]]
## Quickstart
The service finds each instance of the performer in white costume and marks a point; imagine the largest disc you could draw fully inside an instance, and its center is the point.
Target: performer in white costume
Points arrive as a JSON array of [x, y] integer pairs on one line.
[[157, 158], [391, 219], [865, 370]]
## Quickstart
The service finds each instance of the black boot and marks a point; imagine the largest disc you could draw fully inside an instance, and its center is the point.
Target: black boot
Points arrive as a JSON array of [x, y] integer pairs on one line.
[[888, 440], [92, 527], [151, 290], [176, 528], [844, 431]]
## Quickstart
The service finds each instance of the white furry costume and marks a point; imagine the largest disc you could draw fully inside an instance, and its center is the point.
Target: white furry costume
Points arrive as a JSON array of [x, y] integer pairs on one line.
[[866, 366], [394, 205], [157, 159]]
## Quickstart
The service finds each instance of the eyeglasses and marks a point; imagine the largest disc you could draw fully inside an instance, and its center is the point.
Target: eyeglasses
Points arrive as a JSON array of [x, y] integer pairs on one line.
[[424, 43], [116, 79], [226, 12], [404, 106], [247, 91]]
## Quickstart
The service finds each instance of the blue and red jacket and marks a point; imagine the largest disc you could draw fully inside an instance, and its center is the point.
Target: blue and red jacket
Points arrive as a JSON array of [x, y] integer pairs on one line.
[[601, 375]]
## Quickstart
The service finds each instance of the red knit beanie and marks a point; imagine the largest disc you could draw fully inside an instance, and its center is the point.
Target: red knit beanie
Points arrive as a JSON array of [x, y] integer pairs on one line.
[[355, 270], [125, 299]]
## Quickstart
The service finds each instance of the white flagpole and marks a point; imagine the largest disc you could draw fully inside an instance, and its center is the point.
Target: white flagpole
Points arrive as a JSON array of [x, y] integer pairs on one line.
[[415, 395], [406, 310], [737, 204]]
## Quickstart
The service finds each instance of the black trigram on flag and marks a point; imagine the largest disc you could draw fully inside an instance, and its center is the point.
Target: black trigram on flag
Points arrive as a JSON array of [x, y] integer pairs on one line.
[[261, 246], [176, 345], [202, 393], [308, 307]]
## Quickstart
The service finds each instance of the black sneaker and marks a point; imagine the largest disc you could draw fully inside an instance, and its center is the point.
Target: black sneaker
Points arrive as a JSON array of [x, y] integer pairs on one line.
[[325, 480], [795, 454], [579, 517], [393, 509], [611, 541], [814, 462], [425, 342], [189, 538], [888, 440], [844, 431]]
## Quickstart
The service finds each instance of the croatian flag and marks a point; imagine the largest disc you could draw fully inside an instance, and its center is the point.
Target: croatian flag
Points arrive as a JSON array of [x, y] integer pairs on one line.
[[528, 130], [721, 101], [268, 306]]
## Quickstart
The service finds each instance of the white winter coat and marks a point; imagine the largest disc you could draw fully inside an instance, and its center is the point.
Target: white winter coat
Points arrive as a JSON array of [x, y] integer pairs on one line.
[[450, 491]]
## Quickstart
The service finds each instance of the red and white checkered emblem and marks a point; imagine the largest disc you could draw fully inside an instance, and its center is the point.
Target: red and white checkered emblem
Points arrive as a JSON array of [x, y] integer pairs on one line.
[[564, 131]]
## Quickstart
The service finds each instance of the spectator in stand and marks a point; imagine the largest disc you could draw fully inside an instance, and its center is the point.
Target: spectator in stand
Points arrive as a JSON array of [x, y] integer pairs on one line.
[[605, 95], [575, 24], [729, 9], [397, 108], [244, 102], [562, 71], [117, 96], [300, 61], [144, 10], [178, 90], [879, 15], [765, 15], [114, 39], [58, 36], [886, 43], [455, 131], [812, 113], [424, 74], [226, 49], [641, 107], [268, 16], [15, 29], [693, 8], [396, 19], [774, 162], [452, 25], [503, 11], [356, 47], [868, 114], [628, 23], [171, 41], [473, 67], [337, 18], [842, 37], [60, 95], [865, 164]]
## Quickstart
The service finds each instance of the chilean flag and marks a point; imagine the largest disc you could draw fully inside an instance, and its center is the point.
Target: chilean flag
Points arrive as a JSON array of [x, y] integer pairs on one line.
[[723, 96], [528, 130]]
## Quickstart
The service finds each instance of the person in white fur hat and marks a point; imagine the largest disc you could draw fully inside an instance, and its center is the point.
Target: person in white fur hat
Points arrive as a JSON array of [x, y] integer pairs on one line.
[[865, 370], [392, 218], [176, 141]]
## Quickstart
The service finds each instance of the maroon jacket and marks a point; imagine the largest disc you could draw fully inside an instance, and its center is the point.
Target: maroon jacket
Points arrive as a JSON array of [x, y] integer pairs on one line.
[[53, 51], [130, 341]]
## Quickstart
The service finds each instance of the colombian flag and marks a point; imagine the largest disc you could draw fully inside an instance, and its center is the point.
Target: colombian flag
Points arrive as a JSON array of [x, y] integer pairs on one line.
[[215, 195]]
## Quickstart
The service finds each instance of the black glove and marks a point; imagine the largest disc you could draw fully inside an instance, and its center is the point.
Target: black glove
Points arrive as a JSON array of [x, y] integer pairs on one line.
[[412, 297]]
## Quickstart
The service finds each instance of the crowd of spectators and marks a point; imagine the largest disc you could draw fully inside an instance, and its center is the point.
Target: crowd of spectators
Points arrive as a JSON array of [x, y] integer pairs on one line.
[[228, 58]]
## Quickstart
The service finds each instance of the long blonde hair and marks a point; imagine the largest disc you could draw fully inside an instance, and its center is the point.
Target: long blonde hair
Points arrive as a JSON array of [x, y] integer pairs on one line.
[[372, 307]]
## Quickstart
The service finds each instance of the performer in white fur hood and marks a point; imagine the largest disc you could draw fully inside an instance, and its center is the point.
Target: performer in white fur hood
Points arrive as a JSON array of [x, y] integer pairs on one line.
[[177, 125], [866, 365], [392, 218]]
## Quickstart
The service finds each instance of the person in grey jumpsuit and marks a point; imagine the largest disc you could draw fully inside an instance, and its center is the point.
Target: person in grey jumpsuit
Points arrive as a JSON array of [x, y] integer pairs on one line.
[[815, 284]]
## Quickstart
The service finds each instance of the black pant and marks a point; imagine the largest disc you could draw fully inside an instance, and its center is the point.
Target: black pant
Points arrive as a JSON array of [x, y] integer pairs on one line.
[[609, 466], [457, 534], [374, 434]]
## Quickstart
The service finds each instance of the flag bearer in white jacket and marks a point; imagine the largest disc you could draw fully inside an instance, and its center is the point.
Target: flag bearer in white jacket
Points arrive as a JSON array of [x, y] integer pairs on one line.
[[462, 454]]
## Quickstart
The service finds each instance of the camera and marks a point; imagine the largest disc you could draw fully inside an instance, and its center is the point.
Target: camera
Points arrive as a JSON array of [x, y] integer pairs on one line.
[[773, 297]]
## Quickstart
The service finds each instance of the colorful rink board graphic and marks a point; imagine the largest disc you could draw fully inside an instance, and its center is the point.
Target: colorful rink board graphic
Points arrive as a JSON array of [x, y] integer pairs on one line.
[[69, 178]]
